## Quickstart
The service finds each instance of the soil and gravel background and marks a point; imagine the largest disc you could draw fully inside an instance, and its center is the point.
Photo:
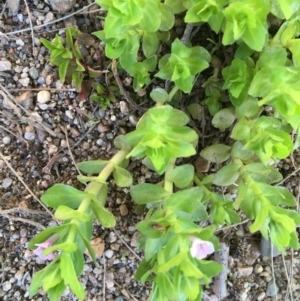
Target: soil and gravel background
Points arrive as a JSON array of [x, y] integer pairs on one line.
[[46, 127]]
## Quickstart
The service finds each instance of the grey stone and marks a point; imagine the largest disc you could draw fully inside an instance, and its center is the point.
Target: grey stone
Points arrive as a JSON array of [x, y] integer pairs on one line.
[[6, 140], [6, 182], [33, 73], [30, 136], [272, 288], [5, 65], [267, 249]]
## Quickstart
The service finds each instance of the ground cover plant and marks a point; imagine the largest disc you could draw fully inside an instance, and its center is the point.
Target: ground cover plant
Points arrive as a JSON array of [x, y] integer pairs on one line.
[[263, 72]]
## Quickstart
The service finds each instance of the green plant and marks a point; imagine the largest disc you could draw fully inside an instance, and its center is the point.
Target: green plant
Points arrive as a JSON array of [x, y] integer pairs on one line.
[[263, 71], [102, 96], [70, 62]]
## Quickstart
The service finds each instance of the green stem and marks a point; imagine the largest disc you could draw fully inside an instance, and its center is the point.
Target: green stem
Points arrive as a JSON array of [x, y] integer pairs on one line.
[[168, 186], [95, 187], [173, 92], [251, 183]]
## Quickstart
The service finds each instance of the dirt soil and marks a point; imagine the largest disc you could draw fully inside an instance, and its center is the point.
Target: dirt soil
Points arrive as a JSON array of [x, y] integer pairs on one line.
[[46, 127]]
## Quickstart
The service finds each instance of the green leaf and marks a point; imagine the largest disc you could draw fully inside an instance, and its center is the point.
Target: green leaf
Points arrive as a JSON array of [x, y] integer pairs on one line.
[[195, 110], [151, 229], [148, 22], [289, 7], [248, 108], [199, 214], [37, 281], [186, 200], [260, 219], [93, 166], [147, 193], [65, 213], [159, 95], [87, 244], [175, 261], [69, 275], [105, 217], [262, 173], [68, 247], [122, 177], [175, 5], [227, 175], [239, 152], [182, 175], [272, 57], [52, 278], [56, 292], [209, 268], [191, 288], [150, 43], [165, 286], [224, 119], [45, 234], [216, 153], [61, 194], [62, 70], [190, 269], [167, 17]]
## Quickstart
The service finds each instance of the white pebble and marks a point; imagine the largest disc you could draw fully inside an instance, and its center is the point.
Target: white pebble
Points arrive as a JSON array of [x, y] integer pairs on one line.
[[6, 286], [19, 42], [6, 182], [109, 253], [30, 136], [6, 140], [261, 296], [52, 149], [69, 114], [43, 106], [43, 97], [24, 81], [5, 65]]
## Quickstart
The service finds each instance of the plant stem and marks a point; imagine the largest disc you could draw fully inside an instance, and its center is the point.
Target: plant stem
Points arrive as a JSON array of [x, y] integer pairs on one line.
[[116, 160], [169, 184], [173, 92]]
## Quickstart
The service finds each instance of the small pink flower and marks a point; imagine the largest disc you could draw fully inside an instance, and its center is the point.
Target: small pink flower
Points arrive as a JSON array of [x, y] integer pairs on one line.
[[46, 244], [200, 248]]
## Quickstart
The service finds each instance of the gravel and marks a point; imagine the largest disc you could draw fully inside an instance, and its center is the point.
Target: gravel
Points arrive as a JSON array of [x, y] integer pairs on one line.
[[42, 160]]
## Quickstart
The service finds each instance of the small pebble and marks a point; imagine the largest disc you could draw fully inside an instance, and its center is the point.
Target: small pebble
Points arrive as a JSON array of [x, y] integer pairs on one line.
[[6, 286], [245, 271], [109, 253], [24, 81], [6, 140], [43, 106], [52, 149], [69, 114], [30, 136], [112, 237], [133, 120], [124, 107], [123, 210], [19, 42], [258, 269], [5, 65], [6, 182], [261, 296], [23, 232], [43, 97], [20, 273], [33, 73], [272, 289]]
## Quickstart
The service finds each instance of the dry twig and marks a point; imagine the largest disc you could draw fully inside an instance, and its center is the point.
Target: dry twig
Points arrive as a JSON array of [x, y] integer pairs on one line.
[[30, 23]]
